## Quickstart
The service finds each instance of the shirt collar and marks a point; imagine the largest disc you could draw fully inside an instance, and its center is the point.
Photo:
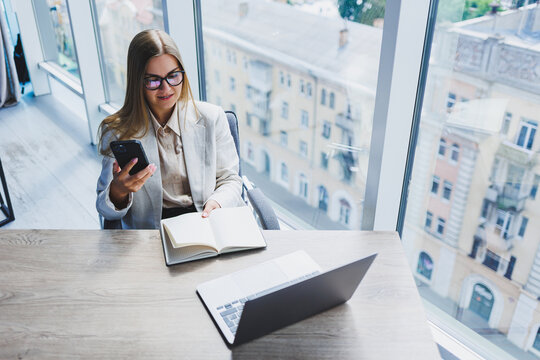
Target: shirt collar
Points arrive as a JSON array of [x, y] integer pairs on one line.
[[172, 123]]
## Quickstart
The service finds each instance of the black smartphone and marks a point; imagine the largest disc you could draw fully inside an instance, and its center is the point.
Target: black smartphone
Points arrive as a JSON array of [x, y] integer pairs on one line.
[[126, 150]]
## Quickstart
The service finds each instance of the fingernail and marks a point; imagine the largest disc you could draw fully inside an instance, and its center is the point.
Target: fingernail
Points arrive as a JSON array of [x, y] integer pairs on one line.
[[204, 214], [134, 160]]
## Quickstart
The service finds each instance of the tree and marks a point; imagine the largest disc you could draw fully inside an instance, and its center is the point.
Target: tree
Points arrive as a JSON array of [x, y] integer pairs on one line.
[[458, 10], [361, 11]]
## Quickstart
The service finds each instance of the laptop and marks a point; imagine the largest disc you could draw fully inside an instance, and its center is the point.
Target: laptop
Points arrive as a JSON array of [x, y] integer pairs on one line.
[[255, 301]]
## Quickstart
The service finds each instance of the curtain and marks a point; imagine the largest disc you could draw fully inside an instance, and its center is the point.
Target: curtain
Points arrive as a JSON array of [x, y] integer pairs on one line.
[[10, 92]]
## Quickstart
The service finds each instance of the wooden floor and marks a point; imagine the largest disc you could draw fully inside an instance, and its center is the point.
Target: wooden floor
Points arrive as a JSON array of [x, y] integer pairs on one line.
[[50, 166]]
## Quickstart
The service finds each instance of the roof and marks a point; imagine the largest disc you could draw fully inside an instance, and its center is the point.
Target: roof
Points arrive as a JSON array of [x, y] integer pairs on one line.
[[298, 38]]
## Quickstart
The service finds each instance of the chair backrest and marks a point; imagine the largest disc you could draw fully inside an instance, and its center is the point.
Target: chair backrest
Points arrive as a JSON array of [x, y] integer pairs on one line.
[[233, 126], [259, 202]]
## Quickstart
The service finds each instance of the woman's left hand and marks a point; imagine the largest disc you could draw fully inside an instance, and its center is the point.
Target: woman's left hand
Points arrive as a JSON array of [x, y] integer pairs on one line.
[[209, 207]]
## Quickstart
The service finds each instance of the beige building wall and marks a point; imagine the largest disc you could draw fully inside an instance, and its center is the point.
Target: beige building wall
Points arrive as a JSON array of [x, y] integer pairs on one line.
[[220, 68]]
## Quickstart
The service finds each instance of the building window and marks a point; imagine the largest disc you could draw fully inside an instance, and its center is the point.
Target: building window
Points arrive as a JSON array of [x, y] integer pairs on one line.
[[288, 80], [442, 147], [245, 62], [527, 130], [250, 153], [303, 186], [429, 219], [303, 148], [323, 198], [283, 138], [435, 184], [523, 226], [324, 160], [302, 87], [248, 119], [506, 123], [332, 100], [536, 343], [440, 225], [304, 118], [485, 209], [326, 129], [534, 187], [232, 84], [323, 97], [281, 78], [285, 110], [425, 265], [503, 223], [450, 100], [309, 91], [284, 173], [454, 154], [447, 190], [344, 211]]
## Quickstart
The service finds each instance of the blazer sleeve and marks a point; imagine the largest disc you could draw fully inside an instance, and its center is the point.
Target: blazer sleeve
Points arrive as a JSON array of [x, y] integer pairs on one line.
[[104, 205], [228, 183]]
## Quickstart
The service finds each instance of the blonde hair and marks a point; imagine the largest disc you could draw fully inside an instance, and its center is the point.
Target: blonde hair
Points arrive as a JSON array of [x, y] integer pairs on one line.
[[132, 118]]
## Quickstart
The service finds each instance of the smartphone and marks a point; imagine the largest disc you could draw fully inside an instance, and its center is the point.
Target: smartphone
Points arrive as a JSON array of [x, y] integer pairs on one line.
[[126, 150]]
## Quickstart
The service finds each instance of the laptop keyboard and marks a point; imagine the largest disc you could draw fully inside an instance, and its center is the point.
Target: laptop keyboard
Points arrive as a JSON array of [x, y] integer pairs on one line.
[[231, 311]]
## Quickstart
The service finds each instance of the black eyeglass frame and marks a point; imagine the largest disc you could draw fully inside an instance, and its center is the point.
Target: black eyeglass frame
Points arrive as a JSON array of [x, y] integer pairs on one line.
[[164, 78]]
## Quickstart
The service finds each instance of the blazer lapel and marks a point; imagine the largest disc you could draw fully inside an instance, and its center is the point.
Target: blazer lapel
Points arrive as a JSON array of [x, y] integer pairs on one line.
[[193, 134], [152, 186]]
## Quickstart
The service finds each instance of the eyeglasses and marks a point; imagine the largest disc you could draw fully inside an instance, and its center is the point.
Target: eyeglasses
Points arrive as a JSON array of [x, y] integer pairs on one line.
[[174, 78]]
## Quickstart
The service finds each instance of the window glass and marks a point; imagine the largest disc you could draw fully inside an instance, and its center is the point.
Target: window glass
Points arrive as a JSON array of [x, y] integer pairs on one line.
[[315, 73], [117, 22], [442, 147], [486, 214], [425, 265], [65, 50]]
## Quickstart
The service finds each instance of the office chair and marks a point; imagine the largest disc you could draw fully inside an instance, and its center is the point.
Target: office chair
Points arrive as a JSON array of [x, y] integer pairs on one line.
[[255, 197], [5, 207]]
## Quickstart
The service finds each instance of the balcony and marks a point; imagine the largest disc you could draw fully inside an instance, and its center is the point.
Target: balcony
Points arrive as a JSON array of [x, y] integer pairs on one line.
[[511, 199], [518, 154], [259, 102], [486, 249], [260, 76], [345, 122], [492, 194]]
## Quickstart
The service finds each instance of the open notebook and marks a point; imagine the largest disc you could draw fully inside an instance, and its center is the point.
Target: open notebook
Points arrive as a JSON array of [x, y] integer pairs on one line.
[[190, 237]]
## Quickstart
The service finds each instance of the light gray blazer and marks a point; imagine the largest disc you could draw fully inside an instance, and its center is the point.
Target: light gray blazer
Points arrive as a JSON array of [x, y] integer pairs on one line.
[[211, 165]]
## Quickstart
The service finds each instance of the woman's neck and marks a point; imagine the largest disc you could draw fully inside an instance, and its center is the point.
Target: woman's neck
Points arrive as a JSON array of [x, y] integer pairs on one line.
[[162, 117]]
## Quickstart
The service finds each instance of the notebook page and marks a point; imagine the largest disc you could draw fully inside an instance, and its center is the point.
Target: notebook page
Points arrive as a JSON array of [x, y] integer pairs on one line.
[[189, 229], [236, 227]]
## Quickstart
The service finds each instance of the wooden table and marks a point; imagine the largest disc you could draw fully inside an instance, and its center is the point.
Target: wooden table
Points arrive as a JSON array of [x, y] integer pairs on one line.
[[108, 294]]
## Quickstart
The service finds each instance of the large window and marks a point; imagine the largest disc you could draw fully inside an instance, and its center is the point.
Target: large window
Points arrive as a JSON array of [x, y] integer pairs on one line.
[[304, 66], [477, 132], [117, 23], [56, 36]]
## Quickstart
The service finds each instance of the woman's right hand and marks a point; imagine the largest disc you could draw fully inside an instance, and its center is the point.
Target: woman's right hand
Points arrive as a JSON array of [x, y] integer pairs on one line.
[[123, 183]]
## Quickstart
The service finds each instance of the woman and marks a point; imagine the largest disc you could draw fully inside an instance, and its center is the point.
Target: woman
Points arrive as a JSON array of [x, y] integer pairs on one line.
[[193, 160]]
